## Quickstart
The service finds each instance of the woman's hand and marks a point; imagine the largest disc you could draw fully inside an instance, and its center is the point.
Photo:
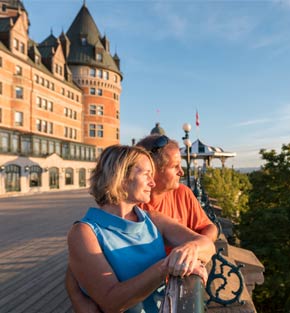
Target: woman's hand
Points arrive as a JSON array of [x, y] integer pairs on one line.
[[177, 235], [183, 261]]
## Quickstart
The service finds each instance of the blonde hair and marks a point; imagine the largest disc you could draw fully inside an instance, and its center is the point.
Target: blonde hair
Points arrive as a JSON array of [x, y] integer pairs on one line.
[[113, 167]]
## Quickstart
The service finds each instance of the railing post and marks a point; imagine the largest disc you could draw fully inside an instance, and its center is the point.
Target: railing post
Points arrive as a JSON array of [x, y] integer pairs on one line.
[[184, 295]]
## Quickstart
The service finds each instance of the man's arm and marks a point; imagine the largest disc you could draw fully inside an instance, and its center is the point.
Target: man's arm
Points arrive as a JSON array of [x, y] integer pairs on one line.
[[80, 303], [197, 218], [210, 231]]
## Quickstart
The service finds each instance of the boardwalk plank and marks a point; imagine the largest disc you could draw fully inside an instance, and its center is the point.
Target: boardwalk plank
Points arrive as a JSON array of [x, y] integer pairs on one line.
[[50, 298], [19, 272], [33, 250], [29, 291]]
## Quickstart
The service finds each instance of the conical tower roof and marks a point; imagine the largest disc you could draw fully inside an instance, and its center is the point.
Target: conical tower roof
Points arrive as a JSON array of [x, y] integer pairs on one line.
[[86, 41], [84, 25]]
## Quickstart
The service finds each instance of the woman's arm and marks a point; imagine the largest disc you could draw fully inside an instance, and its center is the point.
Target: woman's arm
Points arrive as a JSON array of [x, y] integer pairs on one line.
[[94, 273], [80, 302]]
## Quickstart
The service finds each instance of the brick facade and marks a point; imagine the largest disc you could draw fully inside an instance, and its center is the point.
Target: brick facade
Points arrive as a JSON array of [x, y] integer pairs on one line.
[[52, 102]]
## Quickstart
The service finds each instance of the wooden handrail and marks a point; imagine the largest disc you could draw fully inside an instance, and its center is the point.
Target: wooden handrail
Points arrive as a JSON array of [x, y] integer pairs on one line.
[[184, 295]]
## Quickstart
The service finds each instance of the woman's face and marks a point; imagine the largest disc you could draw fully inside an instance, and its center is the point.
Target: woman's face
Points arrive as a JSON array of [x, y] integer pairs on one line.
[[140, 182]]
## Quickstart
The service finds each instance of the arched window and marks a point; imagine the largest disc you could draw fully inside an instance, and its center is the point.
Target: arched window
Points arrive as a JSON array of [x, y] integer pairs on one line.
[[35, 172], [82, 177], [12, 179], [54, 178], [69, 176]]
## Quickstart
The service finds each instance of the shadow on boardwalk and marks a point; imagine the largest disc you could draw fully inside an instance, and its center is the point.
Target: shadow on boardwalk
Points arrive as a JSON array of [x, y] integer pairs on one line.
[[33, 251], [32, 277]]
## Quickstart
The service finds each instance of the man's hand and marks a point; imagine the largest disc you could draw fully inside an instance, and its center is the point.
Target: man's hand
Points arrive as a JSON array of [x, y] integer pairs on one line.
[[201, 271]]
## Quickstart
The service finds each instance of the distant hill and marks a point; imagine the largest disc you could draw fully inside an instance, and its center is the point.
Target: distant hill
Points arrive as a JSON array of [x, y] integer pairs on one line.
[[247, 169]]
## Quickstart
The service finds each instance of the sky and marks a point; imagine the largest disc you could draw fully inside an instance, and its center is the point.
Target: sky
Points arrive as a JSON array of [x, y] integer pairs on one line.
[[228, 60]]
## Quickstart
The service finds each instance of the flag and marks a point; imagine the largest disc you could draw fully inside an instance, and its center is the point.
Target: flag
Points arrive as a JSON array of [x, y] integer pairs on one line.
[[196, 119]]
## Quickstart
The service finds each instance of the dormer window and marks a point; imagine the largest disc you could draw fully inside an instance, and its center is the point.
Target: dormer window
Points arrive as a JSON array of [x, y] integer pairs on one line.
[[37, 59], [22, 47], [84, 40], [15, 43], [58, 69], [99, 57]]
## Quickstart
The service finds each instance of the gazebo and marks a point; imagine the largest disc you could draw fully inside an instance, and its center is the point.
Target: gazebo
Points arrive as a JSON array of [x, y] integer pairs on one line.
[[200, 151]]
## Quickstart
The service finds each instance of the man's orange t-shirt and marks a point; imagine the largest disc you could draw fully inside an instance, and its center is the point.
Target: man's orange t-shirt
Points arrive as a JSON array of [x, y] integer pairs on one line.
[[181, 205]]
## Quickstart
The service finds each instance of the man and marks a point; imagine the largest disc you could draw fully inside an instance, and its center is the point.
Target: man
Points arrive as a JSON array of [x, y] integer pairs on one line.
[[168, 196]]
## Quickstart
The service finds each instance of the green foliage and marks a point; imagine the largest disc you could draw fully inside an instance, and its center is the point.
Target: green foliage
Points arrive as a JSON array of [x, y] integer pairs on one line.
[[230, 188], [266, 232], [271, 185], [264, 229]]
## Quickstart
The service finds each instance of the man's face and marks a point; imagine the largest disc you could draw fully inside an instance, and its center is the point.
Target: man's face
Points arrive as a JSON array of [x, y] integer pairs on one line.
[[168, 179]]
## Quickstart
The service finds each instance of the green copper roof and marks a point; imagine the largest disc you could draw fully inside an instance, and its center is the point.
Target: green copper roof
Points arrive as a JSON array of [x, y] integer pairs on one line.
[[84, 24], [51, 40], [86, 41], [157, 130], [47, 46], [5, 25]]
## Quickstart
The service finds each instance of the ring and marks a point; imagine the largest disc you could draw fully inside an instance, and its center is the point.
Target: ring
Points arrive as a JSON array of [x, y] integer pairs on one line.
[[184, 265]]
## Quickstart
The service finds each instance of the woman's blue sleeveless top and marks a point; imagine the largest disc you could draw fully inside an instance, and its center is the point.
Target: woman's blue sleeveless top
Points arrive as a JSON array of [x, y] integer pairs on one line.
[[130, 248]]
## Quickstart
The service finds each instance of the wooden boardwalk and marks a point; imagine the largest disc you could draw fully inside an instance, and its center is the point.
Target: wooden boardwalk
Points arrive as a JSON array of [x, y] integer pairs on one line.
[[33, 250]]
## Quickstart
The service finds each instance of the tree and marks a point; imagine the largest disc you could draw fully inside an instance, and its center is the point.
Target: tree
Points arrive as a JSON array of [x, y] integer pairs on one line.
[[230, 188], [264, 229], [272, 183]]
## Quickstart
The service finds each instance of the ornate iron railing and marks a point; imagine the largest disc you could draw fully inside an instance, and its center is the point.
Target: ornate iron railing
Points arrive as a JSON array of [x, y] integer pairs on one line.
[[219, 288], [218, 281]]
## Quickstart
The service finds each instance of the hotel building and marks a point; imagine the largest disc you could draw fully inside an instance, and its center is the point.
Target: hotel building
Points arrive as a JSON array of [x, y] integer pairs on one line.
[[59, 102]]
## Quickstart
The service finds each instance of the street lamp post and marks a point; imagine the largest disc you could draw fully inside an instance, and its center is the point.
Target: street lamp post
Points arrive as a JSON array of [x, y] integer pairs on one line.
[[187, 127]]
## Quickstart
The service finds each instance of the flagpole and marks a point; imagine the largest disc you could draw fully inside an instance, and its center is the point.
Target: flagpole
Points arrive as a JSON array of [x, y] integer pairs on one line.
[[197, 124], [195, 160]]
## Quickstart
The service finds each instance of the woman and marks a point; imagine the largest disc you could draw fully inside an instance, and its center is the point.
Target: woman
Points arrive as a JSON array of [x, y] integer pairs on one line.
[[117, 250]]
